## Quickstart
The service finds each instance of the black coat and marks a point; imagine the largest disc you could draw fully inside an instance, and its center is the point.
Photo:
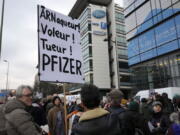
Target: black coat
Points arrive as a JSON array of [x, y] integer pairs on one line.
[[129, 120], [164, 121], [126, 128], [136, 120], [96, 122]]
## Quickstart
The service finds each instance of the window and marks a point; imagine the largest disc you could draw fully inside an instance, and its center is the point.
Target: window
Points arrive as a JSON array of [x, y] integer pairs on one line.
[[177, 20], [168, 12], [147, 41], [139, 2], [128, 2], [134, 60], [130, 22], [157, 18], [120, 28], [122, 52], [121, 40], [90, 38], [119, 16], [176, 7], [85, 28], [167, 47], [129, 9], [133, 48], [88, 66], [85, 16], [131, 34], [125, 78], [89, 78], [145, 26], [87, 52], [155, 7], [148, 55], [165, 3], [143, 13], [165, 32], [85, 40], [123, 65]]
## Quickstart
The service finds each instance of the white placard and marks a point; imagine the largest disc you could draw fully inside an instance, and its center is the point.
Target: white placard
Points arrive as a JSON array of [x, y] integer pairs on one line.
[[60, 58]]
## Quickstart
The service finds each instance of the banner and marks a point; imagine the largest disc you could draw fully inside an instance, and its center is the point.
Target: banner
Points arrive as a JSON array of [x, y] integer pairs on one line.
[[60, 58]]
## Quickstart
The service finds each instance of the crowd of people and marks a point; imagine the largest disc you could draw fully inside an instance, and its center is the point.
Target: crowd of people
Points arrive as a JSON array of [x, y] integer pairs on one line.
[[24, 115]]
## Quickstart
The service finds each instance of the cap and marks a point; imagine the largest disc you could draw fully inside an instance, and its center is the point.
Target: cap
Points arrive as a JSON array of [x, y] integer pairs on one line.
[[157, 103]]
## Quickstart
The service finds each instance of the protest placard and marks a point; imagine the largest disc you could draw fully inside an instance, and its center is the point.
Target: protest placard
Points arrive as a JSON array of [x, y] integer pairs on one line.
[[60, 57]]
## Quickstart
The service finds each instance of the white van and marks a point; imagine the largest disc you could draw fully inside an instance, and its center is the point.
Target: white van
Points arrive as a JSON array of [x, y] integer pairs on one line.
[[171, 91]]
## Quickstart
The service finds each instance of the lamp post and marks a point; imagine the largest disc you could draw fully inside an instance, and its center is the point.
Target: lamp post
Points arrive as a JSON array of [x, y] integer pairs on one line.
[[1, 31], [107, 39], [7, 74]]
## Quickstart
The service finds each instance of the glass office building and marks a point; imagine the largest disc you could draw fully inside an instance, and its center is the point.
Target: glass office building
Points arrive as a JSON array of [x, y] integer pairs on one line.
[[153, 35], [103, 44]]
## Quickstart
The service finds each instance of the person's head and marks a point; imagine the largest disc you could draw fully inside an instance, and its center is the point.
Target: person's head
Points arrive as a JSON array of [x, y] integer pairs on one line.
[[143, 100], [165, 95], [24, 94], [133, 106], [174, 117], [176, 99], [115, 97], [56, 100], [157, 106], [90, 96]]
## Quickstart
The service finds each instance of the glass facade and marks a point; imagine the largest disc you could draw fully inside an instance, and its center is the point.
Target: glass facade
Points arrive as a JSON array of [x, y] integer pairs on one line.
[[153, 36], [86, 40], [158, 73], [153, 29], [120, 28], [119, 17]]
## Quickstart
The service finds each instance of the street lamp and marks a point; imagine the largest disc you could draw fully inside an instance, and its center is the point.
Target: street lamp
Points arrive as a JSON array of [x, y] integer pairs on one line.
[[1, 30], [7, 74], [107, 39]]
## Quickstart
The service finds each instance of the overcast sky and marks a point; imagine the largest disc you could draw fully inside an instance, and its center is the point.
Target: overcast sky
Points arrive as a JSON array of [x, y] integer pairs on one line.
[[20, 45]]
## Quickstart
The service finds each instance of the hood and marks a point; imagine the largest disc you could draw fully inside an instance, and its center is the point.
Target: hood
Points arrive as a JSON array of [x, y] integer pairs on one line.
[[92, 114], [13, 104]]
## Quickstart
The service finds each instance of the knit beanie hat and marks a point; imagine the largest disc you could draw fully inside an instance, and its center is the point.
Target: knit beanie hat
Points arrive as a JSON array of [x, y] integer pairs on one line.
[[157, 103], [133, 106]]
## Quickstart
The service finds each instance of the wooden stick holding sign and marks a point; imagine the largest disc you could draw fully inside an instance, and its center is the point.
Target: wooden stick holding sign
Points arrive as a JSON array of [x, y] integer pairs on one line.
[[65, 110]]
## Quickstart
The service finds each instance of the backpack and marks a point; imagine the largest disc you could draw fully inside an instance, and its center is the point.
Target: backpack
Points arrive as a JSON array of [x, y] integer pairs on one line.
[[2, 121]]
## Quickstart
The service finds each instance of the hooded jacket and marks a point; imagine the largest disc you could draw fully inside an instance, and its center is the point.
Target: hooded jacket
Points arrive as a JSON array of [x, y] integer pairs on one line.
[[97, 122], [18, 120], [52, 120]]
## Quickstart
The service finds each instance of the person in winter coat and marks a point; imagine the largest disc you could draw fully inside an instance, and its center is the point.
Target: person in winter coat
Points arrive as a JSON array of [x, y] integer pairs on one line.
[[56, 121], [95, 120], [38, 113], [159, 121], [174, 129], [137, 121], [18, 120], [115, 97], [2, 120], [168, 107], [144, 108], [176, 102]]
